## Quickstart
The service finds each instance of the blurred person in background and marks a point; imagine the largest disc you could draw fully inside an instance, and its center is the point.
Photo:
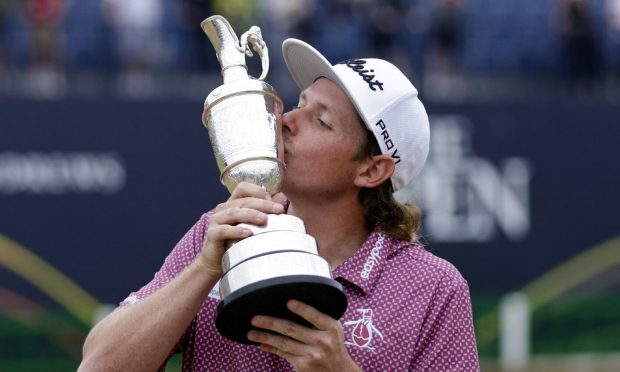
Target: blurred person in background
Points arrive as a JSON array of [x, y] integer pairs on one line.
[[137, 29], [358, 134], [192, 54], [238, 12], [46, 42], [341, 28], [386, 19], [291, 17], [446, 36], [3, 30], [581, 54], [296, 18], [612, 9], [443, 57]]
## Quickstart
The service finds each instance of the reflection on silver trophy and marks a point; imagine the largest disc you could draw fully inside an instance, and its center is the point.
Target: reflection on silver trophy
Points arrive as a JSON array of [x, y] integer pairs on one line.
[[279, 261]]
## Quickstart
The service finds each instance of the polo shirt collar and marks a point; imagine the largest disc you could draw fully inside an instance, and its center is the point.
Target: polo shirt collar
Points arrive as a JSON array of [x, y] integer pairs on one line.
[[364, 268]]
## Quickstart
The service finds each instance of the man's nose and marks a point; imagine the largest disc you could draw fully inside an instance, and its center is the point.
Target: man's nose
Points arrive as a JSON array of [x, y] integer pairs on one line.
[[289, 122]]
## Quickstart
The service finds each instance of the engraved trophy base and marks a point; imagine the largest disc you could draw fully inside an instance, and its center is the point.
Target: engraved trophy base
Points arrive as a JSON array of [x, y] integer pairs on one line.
[[279, 262], [269, 297]]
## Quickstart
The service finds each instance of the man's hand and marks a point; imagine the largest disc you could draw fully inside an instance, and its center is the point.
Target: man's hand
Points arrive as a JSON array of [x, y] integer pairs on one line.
[[248, 203], [307, 349]]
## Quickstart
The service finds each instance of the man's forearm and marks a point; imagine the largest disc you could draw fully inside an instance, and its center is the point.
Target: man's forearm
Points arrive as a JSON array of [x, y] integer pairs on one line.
[[140, 336]]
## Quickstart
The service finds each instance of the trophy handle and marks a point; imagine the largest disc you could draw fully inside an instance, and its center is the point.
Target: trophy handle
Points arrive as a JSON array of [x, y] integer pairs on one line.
[[254, 37]]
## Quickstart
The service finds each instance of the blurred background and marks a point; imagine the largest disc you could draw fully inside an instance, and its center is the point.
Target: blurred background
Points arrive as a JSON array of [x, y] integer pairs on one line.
[[104, 162]]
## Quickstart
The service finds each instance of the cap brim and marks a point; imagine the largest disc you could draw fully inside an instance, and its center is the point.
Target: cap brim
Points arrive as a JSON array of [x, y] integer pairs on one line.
[[306, 64]]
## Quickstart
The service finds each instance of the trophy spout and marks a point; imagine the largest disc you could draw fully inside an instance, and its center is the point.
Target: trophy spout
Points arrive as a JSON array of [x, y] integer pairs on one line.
[[229, 52]]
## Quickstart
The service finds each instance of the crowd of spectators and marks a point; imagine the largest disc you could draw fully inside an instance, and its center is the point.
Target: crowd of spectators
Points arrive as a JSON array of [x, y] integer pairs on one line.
[[55, 47]]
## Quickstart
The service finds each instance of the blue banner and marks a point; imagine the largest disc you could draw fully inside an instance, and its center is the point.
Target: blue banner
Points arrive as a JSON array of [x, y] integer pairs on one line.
[[101, 190]]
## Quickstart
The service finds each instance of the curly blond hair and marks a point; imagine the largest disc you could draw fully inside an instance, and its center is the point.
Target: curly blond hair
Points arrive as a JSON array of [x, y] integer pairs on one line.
[[401, 221]]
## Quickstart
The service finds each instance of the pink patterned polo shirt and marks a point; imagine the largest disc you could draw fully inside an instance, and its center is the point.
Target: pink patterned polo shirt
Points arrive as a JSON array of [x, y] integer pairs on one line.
[[408, 311]]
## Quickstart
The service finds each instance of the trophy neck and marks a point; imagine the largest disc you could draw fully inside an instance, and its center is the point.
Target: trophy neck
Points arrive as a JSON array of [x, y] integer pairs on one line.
[[229, 52], [234, 73]]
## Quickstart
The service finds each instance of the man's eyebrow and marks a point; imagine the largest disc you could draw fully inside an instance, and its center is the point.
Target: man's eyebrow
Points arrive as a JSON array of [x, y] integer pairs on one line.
[[322, 105]]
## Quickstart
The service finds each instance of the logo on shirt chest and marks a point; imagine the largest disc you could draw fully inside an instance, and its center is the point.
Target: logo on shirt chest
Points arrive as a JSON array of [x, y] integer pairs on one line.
[[363, 330]]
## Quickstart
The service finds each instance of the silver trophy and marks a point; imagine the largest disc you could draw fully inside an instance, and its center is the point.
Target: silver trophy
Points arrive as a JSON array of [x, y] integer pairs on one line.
[[279, 261]]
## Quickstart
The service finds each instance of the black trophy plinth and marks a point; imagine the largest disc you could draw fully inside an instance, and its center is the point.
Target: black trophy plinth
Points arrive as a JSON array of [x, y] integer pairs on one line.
[[269, 297]]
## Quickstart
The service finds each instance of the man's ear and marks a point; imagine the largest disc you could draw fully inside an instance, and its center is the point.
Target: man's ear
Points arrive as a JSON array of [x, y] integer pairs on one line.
[[374, 171]]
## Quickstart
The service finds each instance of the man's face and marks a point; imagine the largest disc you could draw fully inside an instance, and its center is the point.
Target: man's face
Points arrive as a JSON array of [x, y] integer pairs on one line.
[[321, 136]]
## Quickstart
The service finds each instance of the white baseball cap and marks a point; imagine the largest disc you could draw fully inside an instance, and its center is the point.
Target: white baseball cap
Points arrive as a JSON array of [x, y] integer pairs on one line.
[[382, 95]]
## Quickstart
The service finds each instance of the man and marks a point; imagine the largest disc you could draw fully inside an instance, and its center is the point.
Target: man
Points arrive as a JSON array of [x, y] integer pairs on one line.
[[358, 133]]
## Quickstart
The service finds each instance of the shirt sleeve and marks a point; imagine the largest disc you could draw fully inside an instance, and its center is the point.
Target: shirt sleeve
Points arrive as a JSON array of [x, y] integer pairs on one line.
[[179, 258], [448, 342]]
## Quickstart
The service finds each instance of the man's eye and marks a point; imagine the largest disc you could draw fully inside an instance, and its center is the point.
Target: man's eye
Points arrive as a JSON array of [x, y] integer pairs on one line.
[[324, 124]]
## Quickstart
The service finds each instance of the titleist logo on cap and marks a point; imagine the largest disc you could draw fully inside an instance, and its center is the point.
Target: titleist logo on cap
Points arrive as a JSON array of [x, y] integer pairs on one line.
[[358, 65]]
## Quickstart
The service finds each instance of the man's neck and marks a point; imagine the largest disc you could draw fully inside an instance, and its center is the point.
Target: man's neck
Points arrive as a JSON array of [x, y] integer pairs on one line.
[[339, 227]]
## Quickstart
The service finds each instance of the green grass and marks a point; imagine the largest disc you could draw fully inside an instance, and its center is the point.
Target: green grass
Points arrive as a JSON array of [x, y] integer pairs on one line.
[[577, 324]]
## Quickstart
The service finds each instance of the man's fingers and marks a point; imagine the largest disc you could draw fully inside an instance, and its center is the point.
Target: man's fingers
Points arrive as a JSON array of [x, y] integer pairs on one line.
[[277, 344], [246, 189], [305, 348], [250, 195], [279, 198], [263, 205], [313, 316], [236, 215], [282, 326], [227, 232]]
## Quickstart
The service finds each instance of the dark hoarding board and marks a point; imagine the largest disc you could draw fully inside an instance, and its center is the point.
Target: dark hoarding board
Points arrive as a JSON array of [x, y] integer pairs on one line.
[[103, 189]]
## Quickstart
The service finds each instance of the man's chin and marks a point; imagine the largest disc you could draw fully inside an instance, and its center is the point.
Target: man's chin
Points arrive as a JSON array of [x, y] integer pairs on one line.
[[286, 184]]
